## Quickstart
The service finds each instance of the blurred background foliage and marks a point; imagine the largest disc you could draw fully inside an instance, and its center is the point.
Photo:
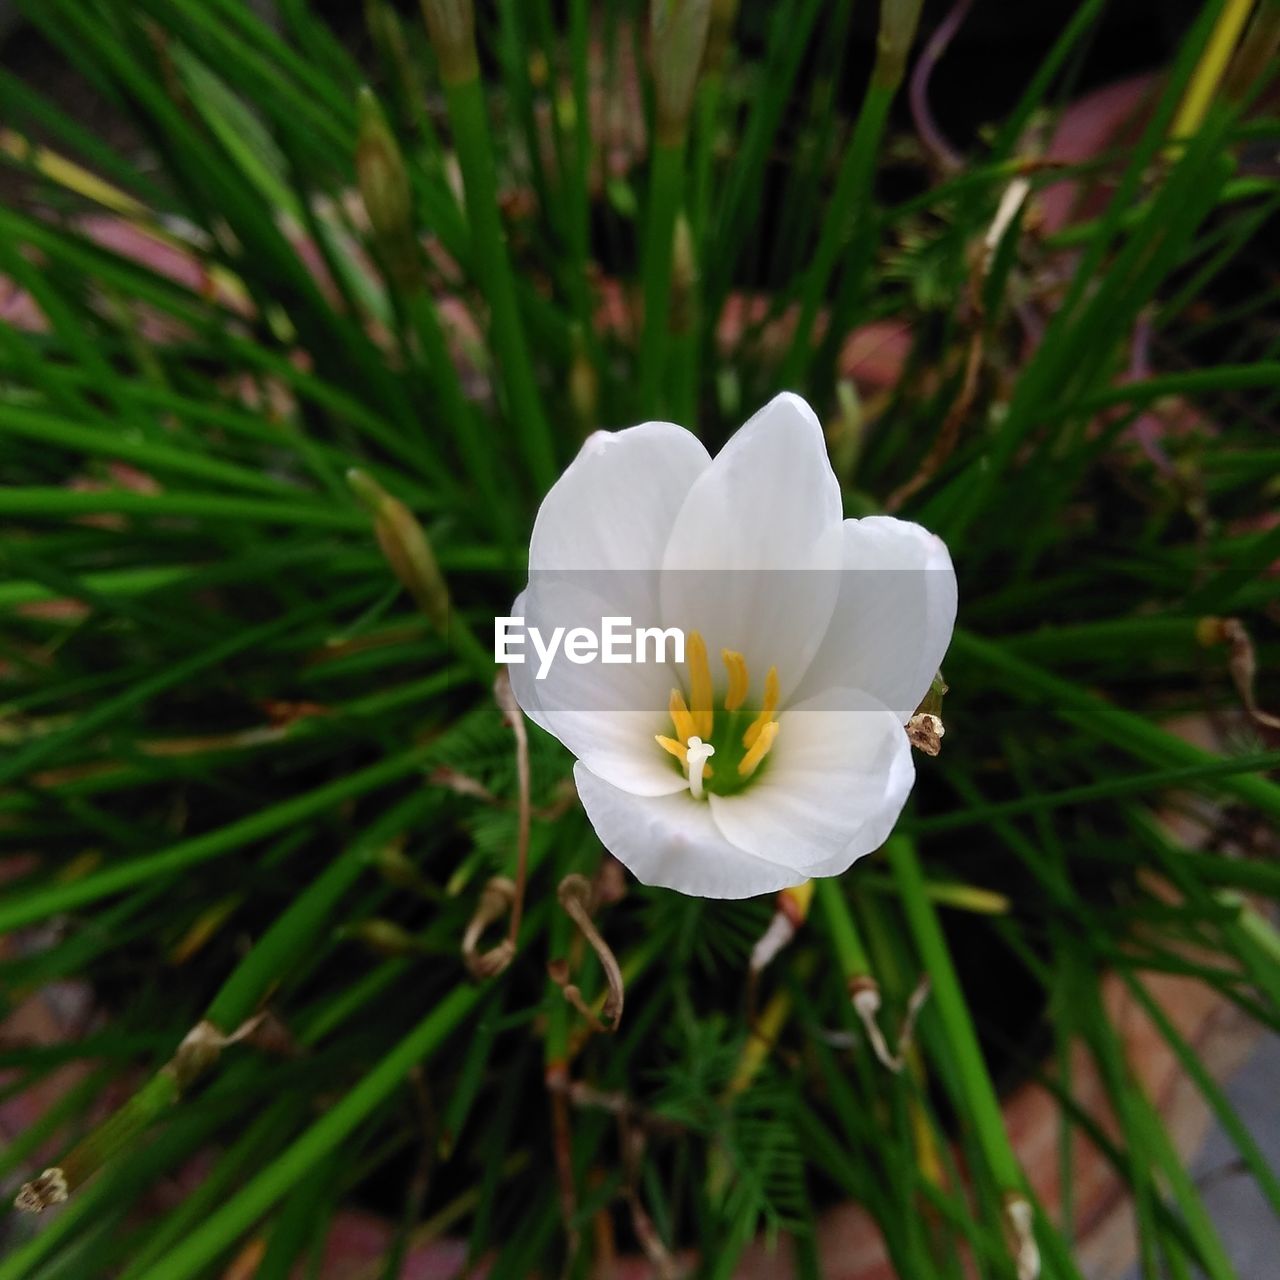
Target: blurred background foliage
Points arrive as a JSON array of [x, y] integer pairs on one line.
[[250, 782]]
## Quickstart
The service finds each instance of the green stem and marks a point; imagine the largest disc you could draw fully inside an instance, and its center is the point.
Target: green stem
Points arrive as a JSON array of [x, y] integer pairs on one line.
[[689, 340], [21, 763], [461, 417], [119, 443], [1122, 728], [265, 965], [666, 182], [975, 1093], [851, 208], [43, 903], [55, 503], [1222, 377], [1135, 784], [339, 1122], [850, 952], [492, 264]]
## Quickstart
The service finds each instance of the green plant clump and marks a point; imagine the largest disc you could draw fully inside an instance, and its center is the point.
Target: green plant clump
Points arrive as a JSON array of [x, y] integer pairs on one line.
[[291, 363]]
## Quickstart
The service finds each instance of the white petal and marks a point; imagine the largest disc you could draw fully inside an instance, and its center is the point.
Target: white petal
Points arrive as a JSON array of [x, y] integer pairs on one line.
[[753, 556], [893, 618], [607, 715], [830, 790], [615, 505], [672, 842], [595, 552], [522, 674]]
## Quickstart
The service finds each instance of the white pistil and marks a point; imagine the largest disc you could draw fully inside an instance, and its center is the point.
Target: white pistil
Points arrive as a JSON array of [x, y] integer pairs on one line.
[[699, 753]]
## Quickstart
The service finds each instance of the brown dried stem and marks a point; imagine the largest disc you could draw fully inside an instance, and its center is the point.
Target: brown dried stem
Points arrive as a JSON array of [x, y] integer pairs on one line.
[[510, 708], [575, 897], [865, 992], [495, 902]]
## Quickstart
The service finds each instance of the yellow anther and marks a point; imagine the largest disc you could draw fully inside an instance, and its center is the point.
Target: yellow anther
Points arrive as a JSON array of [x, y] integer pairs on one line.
[[759, 749], [695, 652], [767, 712], [739, 682], [681, 716]]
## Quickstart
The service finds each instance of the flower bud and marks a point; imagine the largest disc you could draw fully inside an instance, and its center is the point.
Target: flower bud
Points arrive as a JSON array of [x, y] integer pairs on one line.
[[898, 20], [719, 29], [684, 276], [584, 385], [845, 433], [380, 171], [384, 937], [406, 547], [678, 30], [385, 190], [451, 24], [400, 871]]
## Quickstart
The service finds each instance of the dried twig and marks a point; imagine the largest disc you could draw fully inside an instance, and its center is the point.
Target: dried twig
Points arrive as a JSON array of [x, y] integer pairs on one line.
[[866, 1002], [495, 901], [562, 1142], [510, 708], [575, 897], [631, 1140], [918, 90], [1242, 663]]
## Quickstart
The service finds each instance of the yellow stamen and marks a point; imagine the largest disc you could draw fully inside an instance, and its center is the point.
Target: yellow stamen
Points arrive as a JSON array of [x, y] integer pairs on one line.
[[759, 749], [699, 683], [739, 681], [767, 712], [681, 716]]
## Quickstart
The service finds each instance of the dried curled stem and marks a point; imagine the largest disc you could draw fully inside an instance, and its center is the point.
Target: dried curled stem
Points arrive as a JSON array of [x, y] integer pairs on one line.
[[558, 972], [631, 1139], [495, 901], [503, 895], [510, 708], [865, 992], [201, 1047], [1242, 663], [918, 90], [575, 897]]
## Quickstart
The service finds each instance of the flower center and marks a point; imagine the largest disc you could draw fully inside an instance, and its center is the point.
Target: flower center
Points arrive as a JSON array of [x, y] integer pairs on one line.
[[740, 738]]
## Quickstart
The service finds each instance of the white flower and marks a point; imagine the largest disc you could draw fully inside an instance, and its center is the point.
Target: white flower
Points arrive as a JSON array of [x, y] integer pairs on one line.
[[788, 758]]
